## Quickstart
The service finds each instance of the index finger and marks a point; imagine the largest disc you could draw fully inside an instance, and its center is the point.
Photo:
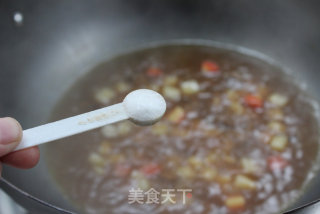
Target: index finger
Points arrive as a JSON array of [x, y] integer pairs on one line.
[[24, 159]]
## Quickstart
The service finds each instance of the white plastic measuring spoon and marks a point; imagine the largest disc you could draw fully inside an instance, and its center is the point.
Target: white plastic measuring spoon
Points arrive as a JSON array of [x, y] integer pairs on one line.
[[143, 107]]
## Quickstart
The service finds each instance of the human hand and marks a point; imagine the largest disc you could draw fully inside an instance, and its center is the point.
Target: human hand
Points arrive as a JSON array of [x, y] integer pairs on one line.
[[10, 136]]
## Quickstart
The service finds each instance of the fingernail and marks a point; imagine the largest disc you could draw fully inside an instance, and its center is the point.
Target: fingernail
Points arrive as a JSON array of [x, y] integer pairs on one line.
[[10, 131]]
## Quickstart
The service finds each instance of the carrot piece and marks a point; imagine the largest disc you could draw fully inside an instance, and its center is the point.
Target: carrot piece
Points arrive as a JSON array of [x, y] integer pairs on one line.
[[209, 66], [154, 72], [150, 169], [253, 101], [277, 162]]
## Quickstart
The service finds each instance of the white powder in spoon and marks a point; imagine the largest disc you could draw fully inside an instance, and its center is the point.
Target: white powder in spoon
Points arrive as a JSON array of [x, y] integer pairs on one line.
[[144, 106]]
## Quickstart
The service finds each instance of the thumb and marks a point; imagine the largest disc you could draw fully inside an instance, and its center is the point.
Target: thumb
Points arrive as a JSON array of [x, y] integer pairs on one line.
[[10, 135]]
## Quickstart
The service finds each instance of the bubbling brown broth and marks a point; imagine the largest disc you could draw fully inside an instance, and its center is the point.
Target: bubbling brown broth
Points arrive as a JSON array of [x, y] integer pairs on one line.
[[237, 132]]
